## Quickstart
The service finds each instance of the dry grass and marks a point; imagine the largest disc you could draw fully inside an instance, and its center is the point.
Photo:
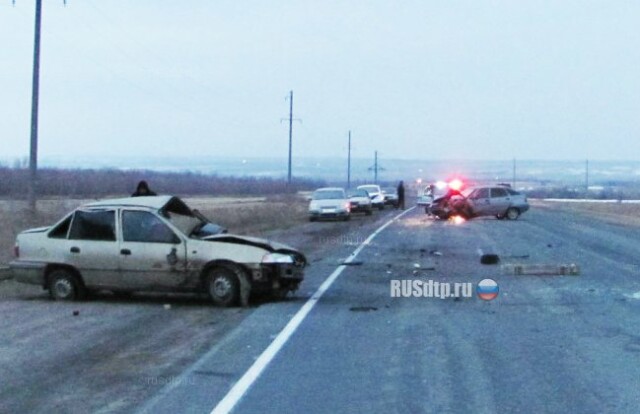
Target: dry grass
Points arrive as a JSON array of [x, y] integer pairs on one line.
[[619, 213], [254, 215]]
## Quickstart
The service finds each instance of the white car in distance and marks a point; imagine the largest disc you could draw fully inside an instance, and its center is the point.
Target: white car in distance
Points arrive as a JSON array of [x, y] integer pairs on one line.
[[375, 194], [329, 202]]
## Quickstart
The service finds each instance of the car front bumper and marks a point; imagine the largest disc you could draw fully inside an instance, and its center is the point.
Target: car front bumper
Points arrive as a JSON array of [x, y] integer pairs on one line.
[[329, 214], [278, 276], [360, 207]]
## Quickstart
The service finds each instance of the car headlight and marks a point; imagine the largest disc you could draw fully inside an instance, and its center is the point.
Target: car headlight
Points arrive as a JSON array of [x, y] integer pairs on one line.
[[277, 258]]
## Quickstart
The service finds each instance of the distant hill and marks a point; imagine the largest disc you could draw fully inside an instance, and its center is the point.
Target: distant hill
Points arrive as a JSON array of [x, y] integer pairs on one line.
[[335, 169]]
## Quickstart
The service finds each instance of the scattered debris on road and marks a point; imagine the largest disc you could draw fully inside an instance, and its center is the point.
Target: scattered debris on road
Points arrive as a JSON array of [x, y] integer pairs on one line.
[[363, 308], [489, 259], [541, 269]]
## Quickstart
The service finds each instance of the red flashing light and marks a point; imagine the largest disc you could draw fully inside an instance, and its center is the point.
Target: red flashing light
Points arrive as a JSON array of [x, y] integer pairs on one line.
[[456, 184]]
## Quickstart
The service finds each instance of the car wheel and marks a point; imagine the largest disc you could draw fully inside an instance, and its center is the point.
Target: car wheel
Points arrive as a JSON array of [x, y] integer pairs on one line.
[[500, 216], [64, 285], [426, 210], [381, 207], [223, 287], [512, 213]]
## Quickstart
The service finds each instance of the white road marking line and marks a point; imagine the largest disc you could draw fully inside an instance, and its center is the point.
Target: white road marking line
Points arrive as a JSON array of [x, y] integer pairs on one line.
[[253, 373]]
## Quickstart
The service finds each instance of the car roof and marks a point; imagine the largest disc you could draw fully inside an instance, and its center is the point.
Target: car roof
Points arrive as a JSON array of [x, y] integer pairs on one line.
[[369, 185], [330, 189], [152, 202]]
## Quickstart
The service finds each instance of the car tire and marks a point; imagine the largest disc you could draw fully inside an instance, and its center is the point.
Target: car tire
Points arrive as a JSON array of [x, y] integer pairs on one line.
[[381, 207], [223, 286], [426, 210], [65, 286], [500, 216], [512, 213]]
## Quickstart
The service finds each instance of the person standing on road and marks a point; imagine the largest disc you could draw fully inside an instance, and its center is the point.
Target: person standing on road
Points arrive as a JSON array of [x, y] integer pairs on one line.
[[401, 195], [143, 190]]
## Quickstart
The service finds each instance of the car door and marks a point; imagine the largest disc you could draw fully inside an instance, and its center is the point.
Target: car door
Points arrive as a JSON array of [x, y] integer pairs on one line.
[[92, 248], [480, 201], [500, 200], [151, 254]]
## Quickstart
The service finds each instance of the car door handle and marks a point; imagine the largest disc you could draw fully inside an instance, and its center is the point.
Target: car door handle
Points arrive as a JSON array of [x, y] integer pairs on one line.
[[74, 249], [125, 252]]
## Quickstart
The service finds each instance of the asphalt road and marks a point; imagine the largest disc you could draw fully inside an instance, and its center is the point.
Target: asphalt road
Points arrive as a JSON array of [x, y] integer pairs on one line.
[[545, 344]]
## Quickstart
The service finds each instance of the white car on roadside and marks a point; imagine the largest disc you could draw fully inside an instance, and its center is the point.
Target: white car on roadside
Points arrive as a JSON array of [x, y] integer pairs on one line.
[[329, 202], [154, 243], [375, 194]]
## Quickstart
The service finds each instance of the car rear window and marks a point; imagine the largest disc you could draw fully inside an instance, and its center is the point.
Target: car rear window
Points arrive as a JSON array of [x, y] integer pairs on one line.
[[96, 225]]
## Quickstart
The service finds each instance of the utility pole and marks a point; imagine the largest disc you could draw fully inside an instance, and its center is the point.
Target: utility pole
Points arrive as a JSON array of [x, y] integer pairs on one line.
[[349, 163], [290, 133], [514, 173], [586, 179], [33, 154], [375, 168]]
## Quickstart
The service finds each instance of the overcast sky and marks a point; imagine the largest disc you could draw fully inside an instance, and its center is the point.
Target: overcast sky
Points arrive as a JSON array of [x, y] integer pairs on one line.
[[412, 79]]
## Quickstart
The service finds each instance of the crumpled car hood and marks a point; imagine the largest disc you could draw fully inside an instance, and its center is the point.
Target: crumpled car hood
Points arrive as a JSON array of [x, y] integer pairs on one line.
[[252, 241], [37, 230]]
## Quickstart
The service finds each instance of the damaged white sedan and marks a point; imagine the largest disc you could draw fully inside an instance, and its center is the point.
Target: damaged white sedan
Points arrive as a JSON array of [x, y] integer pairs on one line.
[[152, 244]]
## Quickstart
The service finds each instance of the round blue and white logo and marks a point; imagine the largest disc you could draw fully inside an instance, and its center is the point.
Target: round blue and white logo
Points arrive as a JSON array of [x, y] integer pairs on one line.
[[487, 289]]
